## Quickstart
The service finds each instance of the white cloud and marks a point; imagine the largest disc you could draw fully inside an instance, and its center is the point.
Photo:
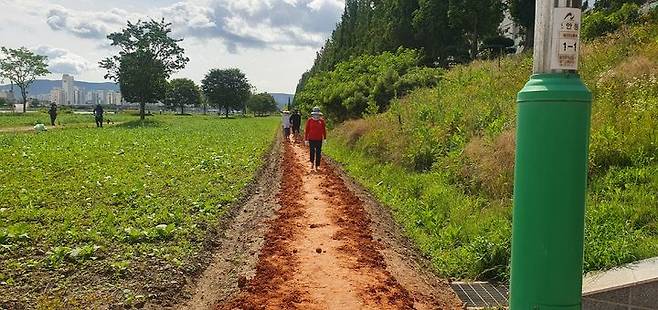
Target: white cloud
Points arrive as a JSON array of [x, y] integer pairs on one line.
[[85, 24], [246, 23], [273, 41], [64, 61]]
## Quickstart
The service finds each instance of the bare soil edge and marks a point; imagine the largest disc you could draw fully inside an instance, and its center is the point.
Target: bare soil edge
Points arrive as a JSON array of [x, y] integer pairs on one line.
[[231, 251], [403, 258]]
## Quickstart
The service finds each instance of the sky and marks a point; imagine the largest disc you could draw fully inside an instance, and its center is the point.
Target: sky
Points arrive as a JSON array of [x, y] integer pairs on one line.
[[272, 41]]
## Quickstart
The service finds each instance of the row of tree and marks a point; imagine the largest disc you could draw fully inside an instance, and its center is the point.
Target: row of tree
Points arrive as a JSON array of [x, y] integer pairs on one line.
[[147, 58], [447, 32]]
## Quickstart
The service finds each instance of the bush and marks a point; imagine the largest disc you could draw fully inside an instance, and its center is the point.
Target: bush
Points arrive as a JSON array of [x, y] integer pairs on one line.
[[597, 24], [366, 84]]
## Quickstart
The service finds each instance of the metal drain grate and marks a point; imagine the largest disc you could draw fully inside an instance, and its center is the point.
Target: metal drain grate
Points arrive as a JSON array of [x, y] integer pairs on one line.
[[481, 294]]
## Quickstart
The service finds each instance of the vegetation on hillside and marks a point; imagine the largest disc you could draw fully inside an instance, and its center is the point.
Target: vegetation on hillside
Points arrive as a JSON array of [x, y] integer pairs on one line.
[[366, 84], [91, 217], [447, 32], [443, 157]]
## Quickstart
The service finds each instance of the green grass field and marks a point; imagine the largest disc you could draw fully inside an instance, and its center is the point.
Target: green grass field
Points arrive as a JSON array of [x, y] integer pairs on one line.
[[117, 201], [11, 120]]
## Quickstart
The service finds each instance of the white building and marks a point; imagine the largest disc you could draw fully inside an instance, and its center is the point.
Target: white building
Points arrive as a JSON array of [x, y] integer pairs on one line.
[[57, 96], [8, 95], [80, 96], [69, 89], [509, 29]]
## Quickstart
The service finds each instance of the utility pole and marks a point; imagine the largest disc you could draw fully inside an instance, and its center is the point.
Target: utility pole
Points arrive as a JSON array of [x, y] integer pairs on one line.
[[553, 122]]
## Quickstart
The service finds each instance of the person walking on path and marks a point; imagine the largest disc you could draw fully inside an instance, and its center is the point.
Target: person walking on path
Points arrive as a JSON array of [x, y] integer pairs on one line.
[[296, 120], [53, 114], [98, 114], [314, 134], [286, 124]]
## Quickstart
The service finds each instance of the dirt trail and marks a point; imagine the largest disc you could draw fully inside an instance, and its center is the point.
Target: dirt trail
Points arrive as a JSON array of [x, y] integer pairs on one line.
[[328, 246]]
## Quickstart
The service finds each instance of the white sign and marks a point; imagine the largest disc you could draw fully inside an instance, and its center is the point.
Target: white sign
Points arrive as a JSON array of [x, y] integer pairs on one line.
[[566, 38]]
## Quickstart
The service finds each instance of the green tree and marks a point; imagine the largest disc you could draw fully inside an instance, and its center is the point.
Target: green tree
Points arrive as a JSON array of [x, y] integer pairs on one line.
[[3, 102], [147, 57], [227, 89], [476, 19], [613, 5], [523, 13], [181, 93], [22, 67], [262, 103]]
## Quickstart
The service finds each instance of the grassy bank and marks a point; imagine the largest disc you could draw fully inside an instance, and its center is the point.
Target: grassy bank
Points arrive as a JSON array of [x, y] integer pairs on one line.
[[101, 216], [443, 157]]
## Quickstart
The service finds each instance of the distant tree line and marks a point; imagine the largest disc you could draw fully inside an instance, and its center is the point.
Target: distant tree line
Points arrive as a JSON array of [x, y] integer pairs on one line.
[[148, 56], [446, 31]]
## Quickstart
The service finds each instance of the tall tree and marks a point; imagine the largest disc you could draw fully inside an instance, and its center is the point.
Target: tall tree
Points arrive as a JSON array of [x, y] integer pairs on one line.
[[261, 103], [442, 43], [147, 57], [227, 89], [523, 13], [181, 93], [477, 19], [21, 67]]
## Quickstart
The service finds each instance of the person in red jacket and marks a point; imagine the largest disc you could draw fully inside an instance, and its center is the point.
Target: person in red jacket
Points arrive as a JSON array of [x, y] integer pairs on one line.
[[314, 134]]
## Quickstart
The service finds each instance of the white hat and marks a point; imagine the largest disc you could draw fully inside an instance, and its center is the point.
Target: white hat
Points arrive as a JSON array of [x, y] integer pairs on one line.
[[316, 111]]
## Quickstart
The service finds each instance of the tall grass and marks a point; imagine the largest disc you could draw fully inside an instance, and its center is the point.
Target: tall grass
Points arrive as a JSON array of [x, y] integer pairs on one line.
[[457, 138]]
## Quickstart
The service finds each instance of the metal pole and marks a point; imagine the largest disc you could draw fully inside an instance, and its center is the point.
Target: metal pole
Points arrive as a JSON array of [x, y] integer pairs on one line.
[[553, 121]]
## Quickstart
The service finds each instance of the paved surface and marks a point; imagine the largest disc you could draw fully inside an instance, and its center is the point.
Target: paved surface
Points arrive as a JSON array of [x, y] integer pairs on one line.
[[632, 287]]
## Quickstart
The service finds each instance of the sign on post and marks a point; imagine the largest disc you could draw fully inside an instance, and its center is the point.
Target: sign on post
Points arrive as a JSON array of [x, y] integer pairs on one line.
[[565, 38]]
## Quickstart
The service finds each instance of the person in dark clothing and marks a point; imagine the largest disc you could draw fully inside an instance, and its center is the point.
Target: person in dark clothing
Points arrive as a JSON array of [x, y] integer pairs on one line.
[[296, 120], [98, 114], [53, 114], [314, 134]]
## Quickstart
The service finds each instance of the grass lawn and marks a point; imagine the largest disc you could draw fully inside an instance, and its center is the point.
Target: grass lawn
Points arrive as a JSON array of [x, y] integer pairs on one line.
[[91, 215]]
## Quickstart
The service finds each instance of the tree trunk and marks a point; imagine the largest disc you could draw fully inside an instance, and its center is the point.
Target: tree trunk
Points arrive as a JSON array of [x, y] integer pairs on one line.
[[529, 38], [226, 111], [24, 94], [181, 109], [142, 108]]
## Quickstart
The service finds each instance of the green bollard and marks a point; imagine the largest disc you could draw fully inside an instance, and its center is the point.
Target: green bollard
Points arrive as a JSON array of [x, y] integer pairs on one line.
[[550, 183]]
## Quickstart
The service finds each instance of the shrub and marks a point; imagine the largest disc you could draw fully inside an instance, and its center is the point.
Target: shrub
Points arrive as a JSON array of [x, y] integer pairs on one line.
[[597, 24], [366, 84]]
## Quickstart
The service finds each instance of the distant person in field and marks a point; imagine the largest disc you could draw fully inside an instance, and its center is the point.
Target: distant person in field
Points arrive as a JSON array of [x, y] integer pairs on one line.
[[53, 114], [286, 124], [314, 134], [296, 120], [98, 114]]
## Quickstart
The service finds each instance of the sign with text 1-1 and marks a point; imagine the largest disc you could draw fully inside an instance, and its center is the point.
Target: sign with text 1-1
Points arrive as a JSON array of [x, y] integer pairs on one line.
[[566, 38]]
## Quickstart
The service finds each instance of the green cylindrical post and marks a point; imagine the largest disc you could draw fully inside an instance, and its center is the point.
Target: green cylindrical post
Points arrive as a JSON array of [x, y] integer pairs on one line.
[[550, 183]]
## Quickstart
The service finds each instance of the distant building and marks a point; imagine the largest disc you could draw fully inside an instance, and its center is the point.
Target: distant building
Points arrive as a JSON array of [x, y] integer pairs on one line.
[[80, 96], [510, 29], [8, 95], [105, 97], [57, 96], [69, 89], [649, 5]]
